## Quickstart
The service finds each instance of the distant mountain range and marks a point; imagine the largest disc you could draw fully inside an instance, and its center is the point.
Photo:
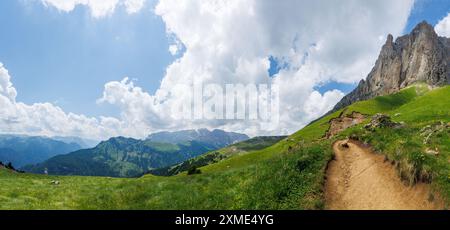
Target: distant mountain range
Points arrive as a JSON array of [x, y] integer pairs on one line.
[[22, 150], [216, 138], [83, 142], [128, 157], [408, 129]]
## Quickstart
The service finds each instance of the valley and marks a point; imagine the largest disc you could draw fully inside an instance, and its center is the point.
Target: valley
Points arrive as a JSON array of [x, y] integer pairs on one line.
[[287, 175], [386, 145], [22, 150], [128, 157]]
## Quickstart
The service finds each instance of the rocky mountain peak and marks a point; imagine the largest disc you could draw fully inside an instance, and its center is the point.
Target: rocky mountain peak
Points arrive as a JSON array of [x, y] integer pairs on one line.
[[389, 40], [218, 138], [421, 56], [424, 28]]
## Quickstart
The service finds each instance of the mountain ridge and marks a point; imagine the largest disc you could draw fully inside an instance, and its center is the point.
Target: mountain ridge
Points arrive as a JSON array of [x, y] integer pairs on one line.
[[420, 56], [21, 150], [217, 137], [129, 157]]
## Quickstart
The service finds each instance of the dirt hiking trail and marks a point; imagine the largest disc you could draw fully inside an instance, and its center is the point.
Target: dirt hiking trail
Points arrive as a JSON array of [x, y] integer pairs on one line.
[[358, 179]]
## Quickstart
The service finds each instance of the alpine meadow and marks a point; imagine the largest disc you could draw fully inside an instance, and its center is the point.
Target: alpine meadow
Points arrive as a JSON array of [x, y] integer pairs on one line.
[[225, 105]]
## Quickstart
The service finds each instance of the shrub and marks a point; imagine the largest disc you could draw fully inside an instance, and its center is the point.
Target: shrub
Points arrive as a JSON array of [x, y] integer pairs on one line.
[[304, 162], [193, 170], [417, 159], [10, 166]]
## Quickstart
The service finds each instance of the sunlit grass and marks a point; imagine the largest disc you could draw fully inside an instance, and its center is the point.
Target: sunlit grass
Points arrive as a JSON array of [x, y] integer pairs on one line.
[[286, 175]]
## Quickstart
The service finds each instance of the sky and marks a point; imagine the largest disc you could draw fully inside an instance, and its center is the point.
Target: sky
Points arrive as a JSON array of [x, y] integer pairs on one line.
[[102, 68], [73, 52]]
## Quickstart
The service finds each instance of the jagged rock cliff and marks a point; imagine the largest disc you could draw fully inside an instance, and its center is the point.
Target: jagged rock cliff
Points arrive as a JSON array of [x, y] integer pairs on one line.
[[421, 56]]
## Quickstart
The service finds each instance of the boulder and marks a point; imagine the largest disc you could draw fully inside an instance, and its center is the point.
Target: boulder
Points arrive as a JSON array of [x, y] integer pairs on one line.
[[382, 121]]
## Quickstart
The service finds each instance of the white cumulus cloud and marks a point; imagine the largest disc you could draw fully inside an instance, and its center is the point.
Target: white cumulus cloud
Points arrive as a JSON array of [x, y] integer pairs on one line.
[[229, 42], [98, 8], [6, 88], [133, 6], [48, 119], [318, 104], [443, 26]]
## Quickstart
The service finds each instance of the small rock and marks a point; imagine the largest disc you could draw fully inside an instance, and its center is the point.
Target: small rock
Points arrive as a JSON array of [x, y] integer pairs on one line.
[[434, 152], [428, 131], [345, 145]]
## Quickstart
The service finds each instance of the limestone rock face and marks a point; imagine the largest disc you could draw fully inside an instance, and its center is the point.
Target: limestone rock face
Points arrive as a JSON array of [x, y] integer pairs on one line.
[[421, 56]]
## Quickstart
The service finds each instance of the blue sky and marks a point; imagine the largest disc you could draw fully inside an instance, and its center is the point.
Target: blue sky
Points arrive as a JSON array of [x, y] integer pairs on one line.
[[430, 10], [66, 58], [76, 54]]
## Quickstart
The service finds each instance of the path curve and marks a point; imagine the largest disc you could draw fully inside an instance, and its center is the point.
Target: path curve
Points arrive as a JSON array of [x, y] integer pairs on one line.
[[358, 179]]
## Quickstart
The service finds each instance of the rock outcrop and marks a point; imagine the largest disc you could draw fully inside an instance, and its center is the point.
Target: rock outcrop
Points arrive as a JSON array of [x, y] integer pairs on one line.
[[343, 122], [433, 129], [382, 121], [421, 56]]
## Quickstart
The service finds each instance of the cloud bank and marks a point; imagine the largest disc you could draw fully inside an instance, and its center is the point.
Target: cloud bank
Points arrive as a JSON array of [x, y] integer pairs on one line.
[[47, 119], [230, 42]]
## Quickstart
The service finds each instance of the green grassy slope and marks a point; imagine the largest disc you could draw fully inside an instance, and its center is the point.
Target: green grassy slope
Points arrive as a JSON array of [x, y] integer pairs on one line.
[[287, 175], [253, 144], [120, 157]]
